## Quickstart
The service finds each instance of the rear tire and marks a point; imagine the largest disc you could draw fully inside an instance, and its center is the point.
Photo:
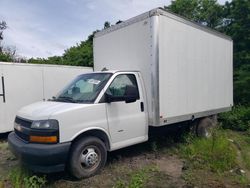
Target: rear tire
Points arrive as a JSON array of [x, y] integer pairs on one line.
[[205, 126], [87, 157]]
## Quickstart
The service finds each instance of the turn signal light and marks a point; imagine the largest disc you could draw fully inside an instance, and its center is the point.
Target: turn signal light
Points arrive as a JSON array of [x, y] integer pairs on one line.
[[43, 139]]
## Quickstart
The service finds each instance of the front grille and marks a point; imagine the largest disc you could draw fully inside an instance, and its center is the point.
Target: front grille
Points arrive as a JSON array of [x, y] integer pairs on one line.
[[22, 128], [22, 135]]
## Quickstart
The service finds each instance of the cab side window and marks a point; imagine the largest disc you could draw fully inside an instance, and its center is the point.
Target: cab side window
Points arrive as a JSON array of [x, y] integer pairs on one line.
[[118, 88]]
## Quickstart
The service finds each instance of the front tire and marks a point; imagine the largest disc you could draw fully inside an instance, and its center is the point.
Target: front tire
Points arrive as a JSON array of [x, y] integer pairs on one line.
[[87, 157]]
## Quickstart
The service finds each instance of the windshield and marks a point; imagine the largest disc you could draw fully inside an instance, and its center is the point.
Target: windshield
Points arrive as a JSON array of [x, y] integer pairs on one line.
[[84, 88]]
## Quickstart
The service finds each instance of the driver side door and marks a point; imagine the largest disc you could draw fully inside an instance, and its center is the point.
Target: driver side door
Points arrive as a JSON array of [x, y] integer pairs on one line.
[[127, 121]]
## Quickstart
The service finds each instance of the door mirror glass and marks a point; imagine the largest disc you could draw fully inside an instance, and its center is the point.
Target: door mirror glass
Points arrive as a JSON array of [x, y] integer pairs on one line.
[[108, 98], [131, 94]]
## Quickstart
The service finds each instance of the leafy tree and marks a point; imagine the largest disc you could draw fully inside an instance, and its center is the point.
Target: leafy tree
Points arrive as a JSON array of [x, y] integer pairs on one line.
[[81, 54], [50, 60], [237, 25], [185, 8], [3, 26], [206, 12], [10, 51], [242, 85], [237, 14], [106, 25], [4, 55]]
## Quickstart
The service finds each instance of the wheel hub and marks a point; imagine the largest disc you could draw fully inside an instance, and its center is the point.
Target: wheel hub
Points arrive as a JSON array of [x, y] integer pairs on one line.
[[89, 157]]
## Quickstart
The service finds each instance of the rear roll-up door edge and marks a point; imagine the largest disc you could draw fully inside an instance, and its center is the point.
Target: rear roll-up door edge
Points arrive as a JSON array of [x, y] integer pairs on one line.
[[3, 89]]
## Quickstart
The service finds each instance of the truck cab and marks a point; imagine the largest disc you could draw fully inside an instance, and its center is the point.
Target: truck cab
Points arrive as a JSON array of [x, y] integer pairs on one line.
[[97, 112]]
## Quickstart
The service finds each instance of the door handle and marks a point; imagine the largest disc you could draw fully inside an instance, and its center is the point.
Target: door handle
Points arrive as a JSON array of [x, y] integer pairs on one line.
[[3, 90], [142, 106]]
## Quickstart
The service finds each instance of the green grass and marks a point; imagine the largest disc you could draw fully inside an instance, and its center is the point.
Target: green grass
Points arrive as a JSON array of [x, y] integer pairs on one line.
[[216, 153], [3, 146], [1, 184], [16, 176], [19, 177], [137, 179], [242, 141], [217, 159]]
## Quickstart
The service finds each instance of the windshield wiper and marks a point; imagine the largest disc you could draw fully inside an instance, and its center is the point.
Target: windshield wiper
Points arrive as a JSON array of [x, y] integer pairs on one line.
[[83, 101], [65, 99], [53, 99]]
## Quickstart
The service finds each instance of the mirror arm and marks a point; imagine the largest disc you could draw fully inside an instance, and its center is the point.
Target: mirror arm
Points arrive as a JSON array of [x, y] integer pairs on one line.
[[107, 98]]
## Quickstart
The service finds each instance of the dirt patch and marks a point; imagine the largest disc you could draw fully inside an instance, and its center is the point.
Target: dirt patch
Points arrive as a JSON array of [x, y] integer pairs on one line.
[[121, 168], [171, 165]]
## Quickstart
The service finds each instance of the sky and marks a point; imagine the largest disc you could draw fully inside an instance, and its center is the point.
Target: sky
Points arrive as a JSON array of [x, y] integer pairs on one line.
[[43, 28]]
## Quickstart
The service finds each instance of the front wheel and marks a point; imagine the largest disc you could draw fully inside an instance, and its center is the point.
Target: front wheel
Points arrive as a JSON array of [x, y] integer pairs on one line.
[[88, 155]]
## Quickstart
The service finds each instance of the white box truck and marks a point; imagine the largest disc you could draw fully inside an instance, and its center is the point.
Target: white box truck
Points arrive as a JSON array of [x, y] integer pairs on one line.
[[155, 69], [22, 84]]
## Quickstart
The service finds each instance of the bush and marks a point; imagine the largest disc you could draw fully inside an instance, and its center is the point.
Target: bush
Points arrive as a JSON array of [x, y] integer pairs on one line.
[[34, 181], [5, 57], [242, 85], [238, 119]]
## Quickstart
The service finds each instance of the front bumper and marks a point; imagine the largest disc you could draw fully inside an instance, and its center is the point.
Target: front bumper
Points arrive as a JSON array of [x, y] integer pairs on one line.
[[44, 158]]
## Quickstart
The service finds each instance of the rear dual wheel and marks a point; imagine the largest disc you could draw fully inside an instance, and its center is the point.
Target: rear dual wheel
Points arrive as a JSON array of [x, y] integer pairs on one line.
[[88, 156], [204, 127]]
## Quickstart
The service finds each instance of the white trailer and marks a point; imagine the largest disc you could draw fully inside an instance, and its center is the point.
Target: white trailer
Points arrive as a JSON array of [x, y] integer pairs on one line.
[[187, 68], [22, 84]]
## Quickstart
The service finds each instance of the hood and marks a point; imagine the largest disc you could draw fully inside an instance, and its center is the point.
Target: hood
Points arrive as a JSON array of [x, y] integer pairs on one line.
[[44, 110]]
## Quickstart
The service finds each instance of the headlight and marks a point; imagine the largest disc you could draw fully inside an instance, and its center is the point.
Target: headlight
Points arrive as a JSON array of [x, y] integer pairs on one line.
[[51, 124], [44, 131]]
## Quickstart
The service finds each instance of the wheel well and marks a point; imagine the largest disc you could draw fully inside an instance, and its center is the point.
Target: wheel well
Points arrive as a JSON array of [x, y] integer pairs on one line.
[[95, 133]]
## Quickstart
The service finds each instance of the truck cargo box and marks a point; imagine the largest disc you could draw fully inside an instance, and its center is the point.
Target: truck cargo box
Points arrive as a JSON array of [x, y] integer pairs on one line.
[[186, 67], [22, 84]]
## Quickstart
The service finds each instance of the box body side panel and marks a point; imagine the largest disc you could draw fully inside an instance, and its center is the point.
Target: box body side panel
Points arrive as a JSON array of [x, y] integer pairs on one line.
[[23, 85], [127, 49], [195, 71]]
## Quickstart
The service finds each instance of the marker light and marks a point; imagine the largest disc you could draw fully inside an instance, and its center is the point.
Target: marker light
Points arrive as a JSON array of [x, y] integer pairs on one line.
[[43, 139]]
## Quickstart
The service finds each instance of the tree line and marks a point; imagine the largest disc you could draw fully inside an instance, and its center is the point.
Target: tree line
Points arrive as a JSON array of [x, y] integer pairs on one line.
[[232, 18]]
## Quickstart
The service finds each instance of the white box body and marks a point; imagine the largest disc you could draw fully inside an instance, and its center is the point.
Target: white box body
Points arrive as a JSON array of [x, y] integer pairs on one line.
[[28, 83], [187, 68]]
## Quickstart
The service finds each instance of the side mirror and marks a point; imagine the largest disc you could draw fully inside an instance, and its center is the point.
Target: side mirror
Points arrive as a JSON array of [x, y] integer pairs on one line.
[[131, 94], [130, 99], [108, 98]]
